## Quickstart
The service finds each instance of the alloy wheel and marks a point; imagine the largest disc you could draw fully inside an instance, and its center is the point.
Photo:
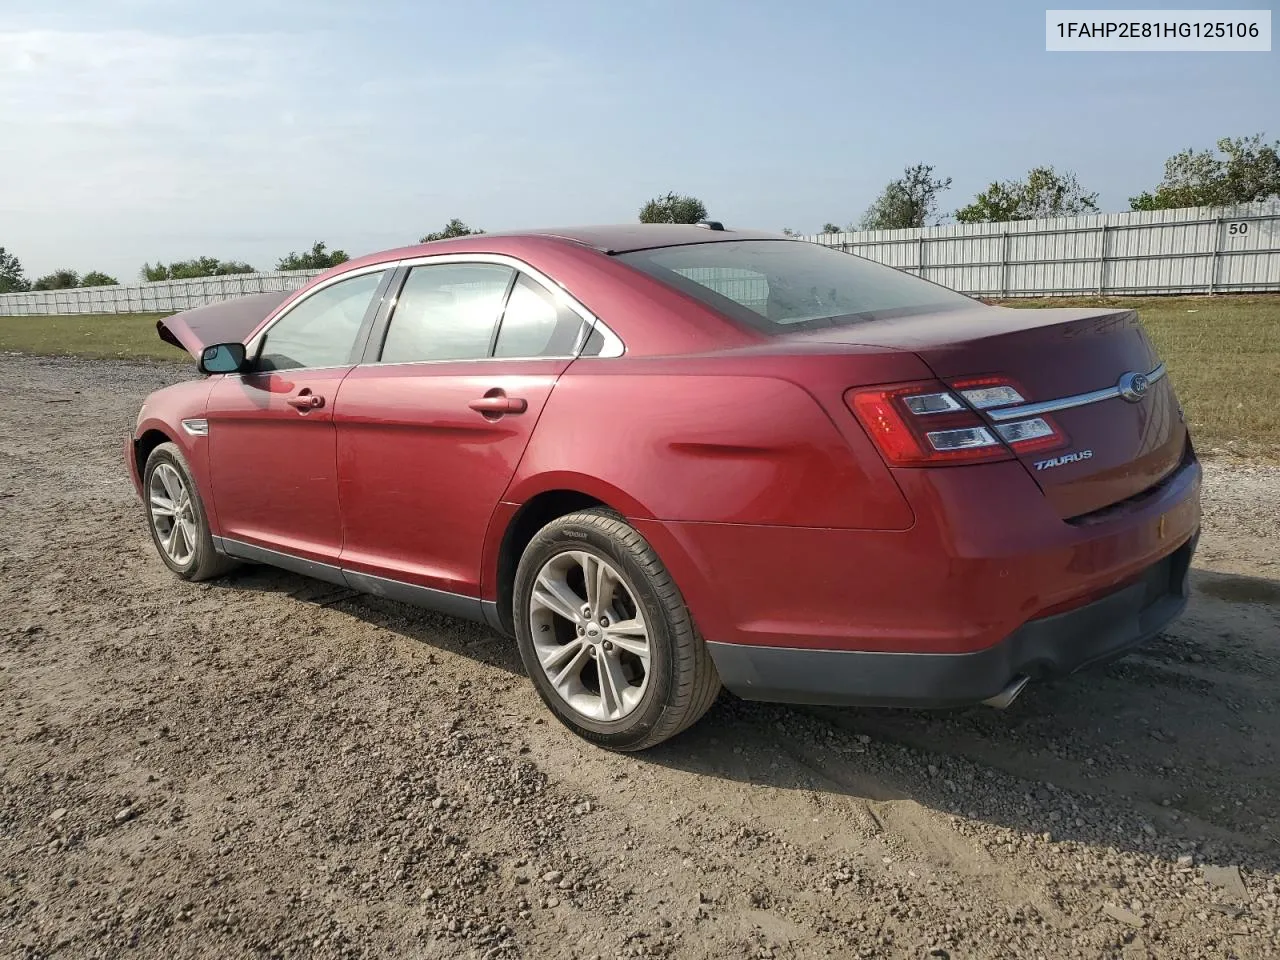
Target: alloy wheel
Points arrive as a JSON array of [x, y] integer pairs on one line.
[[173, 515], [589, 635]]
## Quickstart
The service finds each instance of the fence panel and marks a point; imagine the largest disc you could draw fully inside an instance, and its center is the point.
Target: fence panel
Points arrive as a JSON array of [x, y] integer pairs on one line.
[[164, 296], [1194, 250]]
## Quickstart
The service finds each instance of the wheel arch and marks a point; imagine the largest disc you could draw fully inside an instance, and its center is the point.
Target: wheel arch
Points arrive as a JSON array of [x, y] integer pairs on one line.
[[528, 506], [145, 442], [154, 431], [523, 522]]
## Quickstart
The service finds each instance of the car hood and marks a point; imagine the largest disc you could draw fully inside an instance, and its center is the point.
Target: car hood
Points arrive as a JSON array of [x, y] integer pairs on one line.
[[227, 321]]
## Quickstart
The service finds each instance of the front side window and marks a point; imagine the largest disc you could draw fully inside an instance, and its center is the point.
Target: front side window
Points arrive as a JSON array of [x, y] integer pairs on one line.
[[446, 311], [536, 324], [321, 330], [776, 286]]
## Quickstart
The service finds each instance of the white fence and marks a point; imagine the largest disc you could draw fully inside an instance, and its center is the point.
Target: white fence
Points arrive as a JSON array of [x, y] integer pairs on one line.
[[1192, 250], [163, 296]]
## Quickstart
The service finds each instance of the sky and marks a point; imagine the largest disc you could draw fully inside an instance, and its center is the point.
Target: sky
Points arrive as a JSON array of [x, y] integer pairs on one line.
[[144, 130]]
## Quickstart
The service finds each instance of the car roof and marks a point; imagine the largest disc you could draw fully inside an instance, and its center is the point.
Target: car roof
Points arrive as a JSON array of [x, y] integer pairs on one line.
[[617, 238], [627, 237]]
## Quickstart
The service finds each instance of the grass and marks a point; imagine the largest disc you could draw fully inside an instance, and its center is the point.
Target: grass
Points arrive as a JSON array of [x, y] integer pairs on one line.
[[117, 335], [1223, 354]]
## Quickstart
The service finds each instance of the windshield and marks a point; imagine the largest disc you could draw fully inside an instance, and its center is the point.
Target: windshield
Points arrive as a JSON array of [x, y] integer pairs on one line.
[[778, 286]]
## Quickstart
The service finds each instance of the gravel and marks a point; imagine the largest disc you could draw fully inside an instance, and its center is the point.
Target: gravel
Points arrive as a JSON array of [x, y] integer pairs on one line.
[[262, 767]]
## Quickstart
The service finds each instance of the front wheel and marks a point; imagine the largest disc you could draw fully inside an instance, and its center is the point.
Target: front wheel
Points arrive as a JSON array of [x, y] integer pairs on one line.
[[605, 634], [176, 517]]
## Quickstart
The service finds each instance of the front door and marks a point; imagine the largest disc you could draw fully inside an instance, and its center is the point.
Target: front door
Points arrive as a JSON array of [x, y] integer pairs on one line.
[[431, 430], [273, 473]]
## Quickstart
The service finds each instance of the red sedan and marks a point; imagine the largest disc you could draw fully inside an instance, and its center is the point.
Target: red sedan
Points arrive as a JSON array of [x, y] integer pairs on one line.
[[666, 458]]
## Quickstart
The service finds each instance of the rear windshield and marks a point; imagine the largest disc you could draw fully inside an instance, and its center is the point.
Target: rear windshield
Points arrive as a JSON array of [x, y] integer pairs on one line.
[[778, 286]]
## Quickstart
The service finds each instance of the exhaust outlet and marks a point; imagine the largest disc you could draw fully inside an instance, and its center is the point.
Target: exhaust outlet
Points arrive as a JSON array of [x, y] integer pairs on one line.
[[1008, 694]]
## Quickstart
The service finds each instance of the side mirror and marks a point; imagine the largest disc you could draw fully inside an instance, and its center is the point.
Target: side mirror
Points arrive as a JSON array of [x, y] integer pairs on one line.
[[222, 358]]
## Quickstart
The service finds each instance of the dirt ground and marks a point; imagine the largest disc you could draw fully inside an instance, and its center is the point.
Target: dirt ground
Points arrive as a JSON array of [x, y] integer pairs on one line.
[[267, 766]]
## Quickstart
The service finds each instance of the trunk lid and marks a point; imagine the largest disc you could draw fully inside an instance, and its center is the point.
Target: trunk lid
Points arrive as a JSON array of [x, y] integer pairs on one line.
[[1115, 448], [227, 321]]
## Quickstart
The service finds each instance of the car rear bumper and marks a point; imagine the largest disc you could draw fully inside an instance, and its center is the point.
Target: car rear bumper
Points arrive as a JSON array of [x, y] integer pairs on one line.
[[1050, 646], [990, 583]]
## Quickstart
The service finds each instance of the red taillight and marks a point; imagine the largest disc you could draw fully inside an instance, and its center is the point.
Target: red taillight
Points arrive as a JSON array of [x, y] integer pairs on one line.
[[883, 422], [926, 424]]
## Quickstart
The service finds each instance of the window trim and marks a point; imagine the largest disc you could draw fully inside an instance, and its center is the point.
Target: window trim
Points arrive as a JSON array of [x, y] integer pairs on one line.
[[613, 347], [496, 332], [254, 346]]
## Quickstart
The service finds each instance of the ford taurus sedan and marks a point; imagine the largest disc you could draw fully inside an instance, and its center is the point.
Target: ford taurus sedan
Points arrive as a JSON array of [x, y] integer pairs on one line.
[[670, 458]]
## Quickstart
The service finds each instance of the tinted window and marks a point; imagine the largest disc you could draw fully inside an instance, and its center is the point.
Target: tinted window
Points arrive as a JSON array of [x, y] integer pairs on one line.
[[535, 324], [747, 288], [321, 330], [780, 285], [595, 344], [446, 311]]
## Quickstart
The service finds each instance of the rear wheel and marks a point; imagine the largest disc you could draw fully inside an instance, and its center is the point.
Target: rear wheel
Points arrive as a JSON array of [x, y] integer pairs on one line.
[[176, 517], [605, 634]]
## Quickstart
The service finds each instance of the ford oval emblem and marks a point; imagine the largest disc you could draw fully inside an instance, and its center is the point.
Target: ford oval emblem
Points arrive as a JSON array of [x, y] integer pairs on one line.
[[1133, 386]]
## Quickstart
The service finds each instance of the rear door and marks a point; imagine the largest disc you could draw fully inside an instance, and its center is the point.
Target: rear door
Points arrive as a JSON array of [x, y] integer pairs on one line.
[[431, 427], [272, 451]]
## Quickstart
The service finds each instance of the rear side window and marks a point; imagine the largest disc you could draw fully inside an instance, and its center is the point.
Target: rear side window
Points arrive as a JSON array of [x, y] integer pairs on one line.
[[446, 311], [536, 324], [775, 286], [321, 330]]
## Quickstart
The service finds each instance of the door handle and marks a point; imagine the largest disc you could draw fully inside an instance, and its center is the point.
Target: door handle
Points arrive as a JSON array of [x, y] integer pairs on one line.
[[305, 401], [497, 406]]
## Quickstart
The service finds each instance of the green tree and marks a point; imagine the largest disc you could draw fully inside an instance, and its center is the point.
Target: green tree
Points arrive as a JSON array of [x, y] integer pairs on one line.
[[12, 279], [673, 208], [317, 258], [194, 268], [454, 228], [1044, 193], [58, 280], [96, 278], [1247, 170], [832, 228], [909, 201]]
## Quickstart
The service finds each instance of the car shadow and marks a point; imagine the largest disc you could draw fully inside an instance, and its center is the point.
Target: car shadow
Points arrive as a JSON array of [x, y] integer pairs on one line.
[[437, 630], [1179, 736]]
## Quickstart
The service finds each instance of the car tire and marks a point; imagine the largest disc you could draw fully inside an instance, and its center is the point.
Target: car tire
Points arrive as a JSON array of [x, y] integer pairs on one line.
[[668, 678], [176, 517]]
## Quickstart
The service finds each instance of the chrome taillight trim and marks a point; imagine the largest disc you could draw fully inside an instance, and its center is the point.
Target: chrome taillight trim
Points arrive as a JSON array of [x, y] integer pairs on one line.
[[1066, 403], [980, 434], [973, 395], [1008, 431], [952, 405]]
